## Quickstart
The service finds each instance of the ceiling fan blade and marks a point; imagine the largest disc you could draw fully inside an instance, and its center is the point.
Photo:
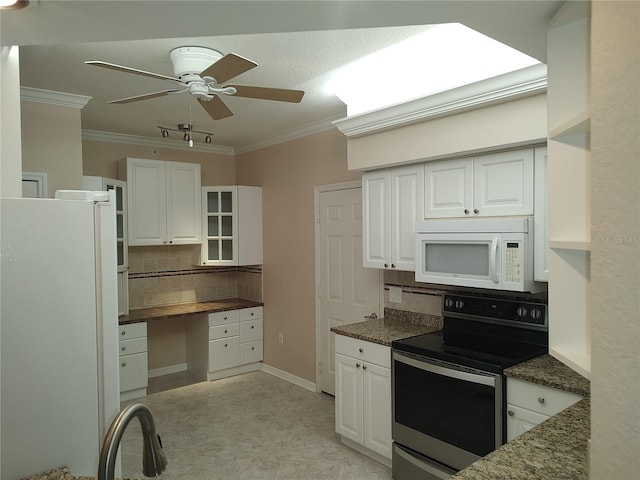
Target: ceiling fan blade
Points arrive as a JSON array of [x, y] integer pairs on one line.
[[145, 96], [216, 108], [121, 68], [265, 93], [229, 66]]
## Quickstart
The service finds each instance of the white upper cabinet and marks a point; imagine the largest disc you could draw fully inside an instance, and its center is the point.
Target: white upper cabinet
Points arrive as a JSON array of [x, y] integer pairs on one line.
[[498, 184], [232, 225], [392, 203], [163, 201]]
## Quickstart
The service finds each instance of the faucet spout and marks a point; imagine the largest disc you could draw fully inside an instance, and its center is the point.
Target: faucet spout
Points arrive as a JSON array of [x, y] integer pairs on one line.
[[153, 460]]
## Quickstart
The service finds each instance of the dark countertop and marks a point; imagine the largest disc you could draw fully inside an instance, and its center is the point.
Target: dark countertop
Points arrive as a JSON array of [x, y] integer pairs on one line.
[[555, 449], [394, 326], [181, 309]]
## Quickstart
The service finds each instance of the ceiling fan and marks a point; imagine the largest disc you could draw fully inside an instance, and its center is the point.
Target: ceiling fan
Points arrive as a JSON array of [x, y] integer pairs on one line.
[[202, 72]]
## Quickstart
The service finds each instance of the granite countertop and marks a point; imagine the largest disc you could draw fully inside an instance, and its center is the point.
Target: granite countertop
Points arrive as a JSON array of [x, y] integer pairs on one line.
[[61, 473], [181, 309], [395, 325], [555, 449], [548, 371]]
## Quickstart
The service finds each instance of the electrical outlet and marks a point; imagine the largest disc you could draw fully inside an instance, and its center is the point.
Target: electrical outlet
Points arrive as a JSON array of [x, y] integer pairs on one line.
[[395, 294], [281, 338]]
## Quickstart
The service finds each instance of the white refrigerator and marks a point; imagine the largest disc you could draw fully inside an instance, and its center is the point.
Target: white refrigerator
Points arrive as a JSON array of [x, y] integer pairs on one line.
[[58, 331]]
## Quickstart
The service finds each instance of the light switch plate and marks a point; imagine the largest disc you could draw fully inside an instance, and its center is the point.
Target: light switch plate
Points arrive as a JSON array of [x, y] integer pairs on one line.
[[395, 294]]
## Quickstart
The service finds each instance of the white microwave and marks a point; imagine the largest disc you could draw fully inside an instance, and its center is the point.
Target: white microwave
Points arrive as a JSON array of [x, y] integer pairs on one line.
[[494, 253]]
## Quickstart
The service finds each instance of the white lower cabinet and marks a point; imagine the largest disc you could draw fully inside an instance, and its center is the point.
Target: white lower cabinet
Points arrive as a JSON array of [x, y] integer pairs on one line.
[[363, 396], [134, 375], [222, 344], [529, 404]]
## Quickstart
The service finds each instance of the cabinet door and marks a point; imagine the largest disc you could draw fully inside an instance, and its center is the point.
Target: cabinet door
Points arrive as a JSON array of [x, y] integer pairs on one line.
[[406, 208], [448, 187], [183, 203], [224, 353], [376, 215], [220, 224], [520, 420], [348, 400], [123, 293], [147, 210], [120, 189], [541, 235], [503, 183], [377, 409], [133, 372]]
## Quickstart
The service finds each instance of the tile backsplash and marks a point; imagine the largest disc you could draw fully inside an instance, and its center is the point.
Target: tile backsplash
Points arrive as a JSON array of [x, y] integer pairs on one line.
[[165, 275], [416, 297]]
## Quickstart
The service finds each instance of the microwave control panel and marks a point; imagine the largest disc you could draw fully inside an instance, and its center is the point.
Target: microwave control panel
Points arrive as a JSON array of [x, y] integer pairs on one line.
[[512, 261]]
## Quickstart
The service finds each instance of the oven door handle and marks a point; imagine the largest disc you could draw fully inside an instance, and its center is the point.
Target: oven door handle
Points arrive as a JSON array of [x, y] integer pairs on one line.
[[487, 379]]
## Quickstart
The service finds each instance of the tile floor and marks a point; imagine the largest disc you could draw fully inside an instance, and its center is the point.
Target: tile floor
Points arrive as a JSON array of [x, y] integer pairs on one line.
[[253, 426]]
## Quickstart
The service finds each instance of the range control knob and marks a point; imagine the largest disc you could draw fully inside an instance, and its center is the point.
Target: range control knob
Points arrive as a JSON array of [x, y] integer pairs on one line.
[[459, 304], [448, 303], [536, 313], [522, 312]]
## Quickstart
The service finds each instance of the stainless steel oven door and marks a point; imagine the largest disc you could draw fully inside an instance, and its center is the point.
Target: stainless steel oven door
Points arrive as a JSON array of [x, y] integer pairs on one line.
[[448, 412]]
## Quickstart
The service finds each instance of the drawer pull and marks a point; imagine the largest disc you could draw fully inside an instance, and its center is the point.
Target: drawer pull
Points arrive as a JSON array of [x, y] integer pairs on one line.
[[123, 348], [540, 399], [124, 364], [511, 413], [360, 350]]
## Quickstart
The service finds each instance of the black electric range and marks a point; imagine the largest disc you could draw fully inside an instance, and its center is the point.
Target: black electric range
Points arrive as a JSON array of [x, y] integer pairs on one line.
[[484, 332]]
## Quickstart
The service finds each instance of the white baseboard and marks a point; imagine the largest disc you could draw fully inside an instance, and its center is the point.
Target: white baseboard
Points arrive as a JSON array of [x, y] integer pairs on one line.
[[289, 377], [157, 372]]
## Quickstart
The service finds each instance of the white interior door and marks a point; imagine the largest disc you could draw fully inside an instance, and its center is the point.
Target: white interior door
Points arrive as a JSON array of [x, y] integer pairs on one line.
[[347, 291]]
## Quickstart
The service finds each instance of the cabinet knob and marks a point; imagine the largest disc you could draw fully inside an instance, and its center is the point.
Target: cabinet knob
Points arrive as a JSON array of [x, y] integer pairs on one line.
[[357, 365], [476, 211], [252, 327], [540, 399], [386, 265], [225, 345], [511, 413], [171, 241], [123, 348], [253, 348], [226, 331], [124, 364], [466, 211], [360, 350], [164, 242], [393, 265], [364, 367], [252, 314], [124, 332]]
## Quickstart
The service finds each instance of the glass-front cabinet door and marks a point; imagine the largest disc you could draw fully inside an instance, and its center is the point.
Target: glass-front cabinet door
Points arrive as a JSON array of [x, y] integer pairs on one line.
[[121, 221], [220, 226]]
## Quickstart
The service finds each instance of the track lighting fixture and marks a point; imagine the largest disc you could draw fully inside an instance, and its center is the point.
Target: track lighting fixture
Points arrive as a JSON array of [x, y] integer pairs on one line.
[[187, 133]]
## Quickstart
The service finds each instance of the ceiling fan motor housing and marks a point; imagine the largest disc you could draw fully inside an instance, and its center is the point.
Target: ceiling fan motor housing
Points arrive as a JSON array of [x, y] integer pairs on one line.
[[188, 62]]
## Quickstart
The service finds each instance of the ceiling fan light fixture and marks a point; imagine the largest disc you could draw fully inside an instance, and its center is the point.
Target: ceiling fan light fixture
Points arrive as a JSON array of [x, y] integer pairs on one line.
[[186, 137], [207, 139], [13, 4], [165, 133]]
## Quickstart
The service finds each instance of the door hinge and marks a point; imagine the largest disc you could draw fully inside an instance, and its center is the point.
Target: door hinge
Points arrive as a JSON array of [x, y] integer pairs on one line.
[[319, 367]]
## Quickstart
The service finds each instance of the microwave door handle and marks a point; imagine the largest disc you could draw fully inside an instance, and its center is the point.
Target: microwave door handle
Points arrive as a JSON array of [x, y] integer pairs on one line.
[[493, 260]]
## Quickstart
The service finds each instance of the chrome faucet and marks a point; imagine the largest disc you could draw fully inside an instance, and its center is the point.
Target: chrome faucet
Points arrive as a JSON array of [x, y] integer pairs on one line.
[[153, 460]]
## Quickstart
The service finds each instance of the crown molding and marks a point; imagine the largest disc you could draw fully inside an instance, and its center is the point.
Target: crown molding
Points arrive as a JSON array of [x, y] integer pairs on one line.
[[93, 135], [50, 97], [503, 88], [310, 129]]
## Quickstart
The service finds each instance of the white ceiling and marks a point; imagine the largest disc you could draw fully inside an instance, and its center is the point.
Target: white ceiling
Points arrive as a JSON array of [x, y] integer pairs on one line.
[[296, 45]]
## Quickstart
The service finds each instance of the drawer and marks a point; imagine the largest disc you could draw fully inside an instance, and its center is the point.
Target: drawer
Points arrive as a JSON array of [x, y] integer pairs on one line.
[[251, 352], [224, 353], [220, 318], [224, 331], [133, 372], [250, 313], [132, 330], [539, 398], [250, 331], [365, 351], [134, 345]]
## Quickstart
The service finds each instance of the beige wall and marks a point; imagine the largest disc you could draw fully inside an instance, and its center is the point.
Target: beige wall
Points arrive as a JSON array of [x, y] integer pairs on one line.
[[10, 145], [51, 144], [288, 174], [515, 123], [615, 235], [100, 159]]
